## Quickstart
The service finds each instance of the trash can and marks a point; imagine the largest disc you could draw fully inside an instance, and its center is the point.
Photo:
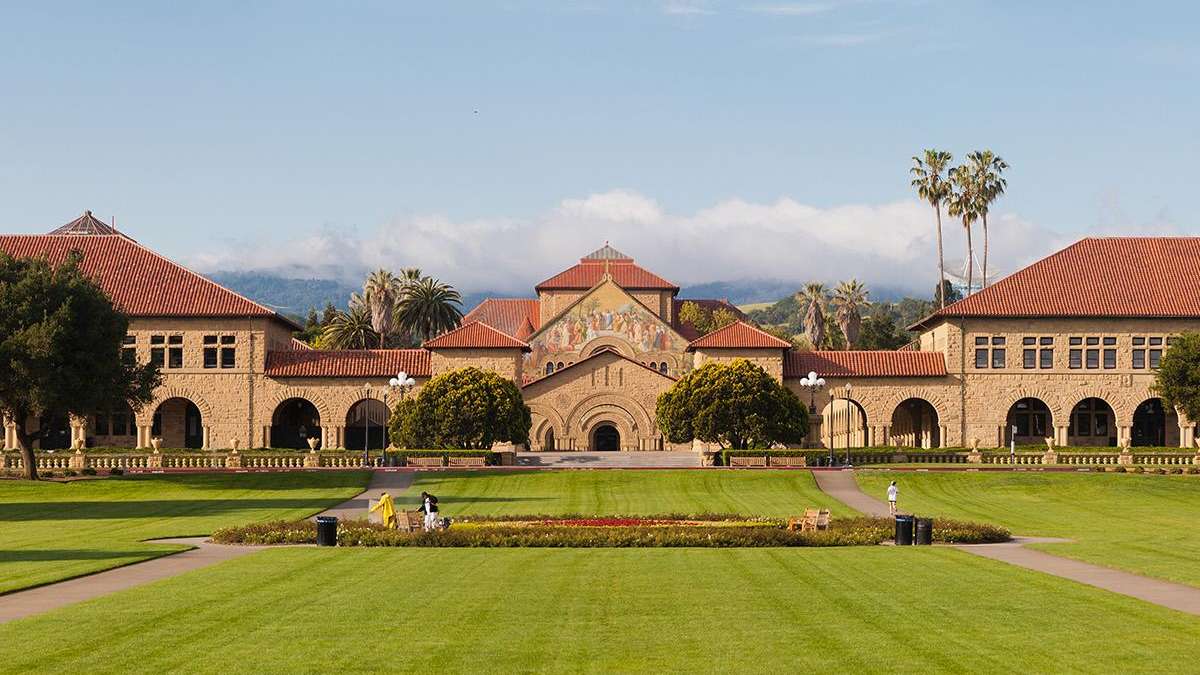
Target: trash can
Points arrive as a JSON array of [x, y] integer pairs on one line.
[[924, 531], [326, 531], [904, 530]]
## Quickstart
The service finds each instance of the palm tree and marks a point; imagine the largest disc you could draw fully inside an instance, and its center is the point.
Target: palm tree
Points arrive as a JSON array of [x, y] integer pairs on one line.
[[381, 294], [986, 168], [933, 187], [428, 308], [849, 298], [349, 330], [814, 295], [964, 204]]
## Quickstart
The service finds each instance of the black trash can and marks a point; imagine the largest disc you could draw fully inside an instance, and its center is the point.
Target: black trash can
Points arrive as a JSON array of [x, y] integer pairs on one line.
[[326, 531], [904, 530], [924, 531]]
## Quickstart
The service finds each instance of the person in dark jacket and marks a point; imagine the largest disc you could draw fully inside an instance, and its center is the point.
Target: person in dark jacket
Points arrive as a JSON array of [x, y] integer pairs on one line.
[[429, 506]]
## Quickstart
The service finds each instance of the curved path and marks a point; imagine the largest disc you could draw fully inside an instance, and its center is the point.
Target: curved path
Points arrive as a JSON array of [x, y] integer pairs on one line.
[[20, 604], [842, 486]]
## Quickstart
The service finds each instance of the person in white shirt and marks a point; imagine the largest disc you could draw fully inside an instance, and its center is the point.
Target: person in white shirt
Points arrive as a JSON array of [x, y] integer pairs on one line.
[[429, 504], [892, 492]]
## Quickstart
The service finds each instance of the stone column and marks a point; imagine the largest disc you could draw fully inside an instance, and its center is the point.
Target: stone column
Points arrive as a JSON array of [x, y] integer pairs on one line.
[[266, 437], [941, 436], [10, 435], [1186, 433], [339, 440], [204, 444], [1060, 436]]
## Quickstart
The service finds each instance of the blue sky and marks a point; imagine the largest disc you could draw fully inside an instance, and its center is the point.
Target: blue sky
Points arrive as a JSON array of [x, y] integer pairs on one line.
[[712, 140]]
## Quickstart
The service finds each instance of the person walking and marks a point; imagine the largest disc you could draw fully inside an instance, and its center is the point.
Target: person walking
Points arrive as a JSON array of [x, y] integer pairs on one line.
[[429, 505], [892, 492]]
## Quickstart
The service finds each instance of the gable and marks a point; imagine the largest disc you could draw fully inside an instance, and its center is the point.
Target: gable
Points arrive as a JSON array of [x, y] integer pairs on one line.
[[609, 312], [604, 369]]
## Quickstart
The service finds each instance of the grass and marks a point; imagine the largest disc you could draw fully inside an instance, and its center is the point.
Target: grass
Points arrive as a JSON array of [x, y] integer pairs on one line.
[[632, 492], [1139, 523], [54, 531], [523, 610]]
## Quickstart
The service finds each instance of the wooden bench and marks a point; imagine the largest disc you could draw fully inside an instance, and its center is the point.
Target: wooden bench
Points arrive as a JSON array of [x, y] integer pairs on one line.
[[463, 462], [427, 462], [823, 519], [736, 461], [805, 523], [781, 460], [410, 521]]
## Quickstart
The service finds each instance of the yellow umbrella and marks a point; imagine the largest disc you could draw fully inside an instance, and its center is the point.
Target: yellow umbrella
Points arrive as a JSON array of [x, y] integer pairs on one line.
[[387, 510]]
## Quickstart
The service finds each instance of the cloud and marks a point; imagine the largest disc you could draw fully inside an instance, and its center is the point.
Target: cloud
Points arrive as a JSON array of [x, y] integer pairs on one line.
[[888, 245], [793, 9]]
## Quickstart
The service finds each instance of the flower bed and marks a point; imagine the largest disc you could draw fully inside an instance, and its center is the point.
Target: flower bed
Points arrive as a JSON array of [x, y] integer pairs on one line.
[[606, 532]]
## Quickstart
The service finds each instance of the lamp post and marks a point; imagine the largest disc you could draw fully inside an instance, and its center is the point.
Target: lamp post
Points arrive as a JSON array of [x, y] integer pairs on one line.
[[832, 400], [402, 383], [812, 383], [848, 424], [367, 426]]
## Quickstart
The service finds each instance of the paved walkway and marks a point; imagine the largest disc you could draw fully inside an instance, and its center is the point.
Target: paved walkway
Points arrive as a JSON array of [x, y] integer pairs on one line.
[[842, 486], [26, 603]]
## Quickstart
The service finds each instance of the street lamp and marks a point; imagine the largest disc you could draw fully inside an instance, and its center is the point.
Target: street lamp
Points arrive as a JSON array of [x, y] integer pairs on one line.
[[812, 383], [848, 404], [402, 383], [367, 426]]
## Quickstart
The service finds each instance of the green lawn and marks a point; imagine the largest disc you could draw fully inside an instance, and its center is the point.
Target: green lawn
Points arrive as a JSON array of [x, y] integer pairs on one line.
[[52, 531], [509, 610], [1145, 524], [756, 493]]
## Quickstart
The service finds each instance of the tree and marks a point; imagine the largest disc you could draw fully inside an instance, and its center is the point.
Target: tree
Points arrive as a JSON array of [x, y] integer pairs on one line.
[[850, 298], [328, 314], [350, 329], [986, 168], [813, 296], [469, 408], [881, 332], [704, 320], [735, 404], [429, 308], [947, 292], [60, 343], [382, 294], [933, 187], [964, 204], [783, 334], [1178, 378]]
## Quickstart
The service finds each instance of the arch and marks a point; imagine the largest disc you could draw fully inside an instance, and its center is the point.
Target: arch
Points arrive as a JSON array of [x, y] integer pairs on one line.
[[310, 395], [294, 421], [605, 438], [146, 414], [548, 430], [636, 414], [1154, 424], [179, 422], [549, 367], [844, 424], [915, 424], [1092, 423], [1047, 398], [548, 440], [618, 345], [1033, 419], [366, 425], [113, 428], [662, 368]]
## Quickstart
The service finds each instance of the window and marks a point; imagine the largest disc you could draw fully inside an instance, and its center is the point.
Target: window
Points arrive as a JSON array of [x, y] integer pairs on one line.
[[1154, 341], [1075, 341], [129, 349], [1110, 358], [210, 351], [157, 353], [1139, 358], [1075, 358], [981, 358], [1029, 358], [1047, 358], [981, 341], [1029, 341], [1093, 358], [1109, 341], [175, 351], [549, 368], [1155, 357], [1093, 341], [662, 367], [228, 355], [998, 352], [1139, 341]]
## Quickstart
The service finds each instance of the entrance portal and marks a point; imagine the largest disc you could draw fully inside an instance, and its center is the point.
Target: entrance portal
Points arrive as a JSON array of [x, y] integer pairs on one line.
[[606, 438]]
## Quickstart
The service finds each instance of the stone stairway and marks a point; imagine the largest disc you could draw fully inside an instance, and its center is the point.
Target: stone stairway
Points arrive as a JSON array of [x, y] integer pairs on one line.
[[609, 460]]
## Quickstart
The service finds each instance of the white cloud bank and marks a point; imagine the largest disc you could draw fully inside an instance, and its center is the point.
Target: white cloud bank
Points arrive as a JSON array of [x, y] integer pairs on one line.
[[885, 245]]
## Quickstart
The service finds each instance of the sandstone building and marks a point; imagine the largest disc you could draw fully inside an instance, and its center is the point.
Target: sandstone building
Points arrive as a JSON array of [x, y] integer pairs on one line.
[[1065, 348]]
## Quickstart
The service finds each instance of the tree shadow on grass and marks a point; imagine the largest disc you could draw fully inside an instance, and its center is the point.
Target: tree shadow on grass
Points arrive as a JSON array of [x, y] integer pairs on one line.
[[52, 555], [14, 512]]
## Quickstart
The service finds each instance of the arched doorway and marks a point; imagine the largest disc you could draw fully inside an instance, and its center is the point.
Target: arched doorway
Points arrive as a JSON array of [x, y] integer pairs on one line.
[[548, 444], [178, 422], [56, 431], [844, 424], [1092, 423], [366, 425], [295, 421], [1032, 421], [915, 425], [1154, 424], [606, 438]]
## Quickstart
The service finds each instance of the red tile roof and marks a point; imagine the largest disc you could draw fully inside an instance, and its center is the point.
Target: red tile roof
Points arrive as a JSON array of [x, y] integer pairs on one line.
[[139, 281], [507, 315], [739, 334], [475, 335], [589, 273], [1096, 277], [348, 363], [865, 364], [687, 330]]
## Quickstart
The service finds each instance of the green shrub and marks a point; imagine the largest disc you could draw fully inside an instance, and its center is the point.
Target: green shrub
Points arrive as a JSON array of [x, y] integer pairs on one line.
[[69, 473], [115, 471], [947, 531], [88, 471]]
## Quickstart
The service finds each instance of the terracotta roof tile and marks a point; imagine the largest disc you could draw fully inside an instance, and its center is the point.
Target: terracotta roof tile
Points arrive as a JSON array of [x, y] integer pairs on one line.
[[507, 315], [475, 335], [348, 363], [865, 364], [739, 334], [1096, 277], [587, 274], [139, 281]]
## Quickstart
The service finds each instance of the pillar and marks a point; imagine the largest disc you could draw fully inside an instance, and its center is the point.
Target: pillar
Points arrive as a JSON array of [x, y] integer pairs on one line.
[[1185, 436], [204, 444], [1123, 435], [339, 437], [266, 436], [942, 436], [1060, 436]]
